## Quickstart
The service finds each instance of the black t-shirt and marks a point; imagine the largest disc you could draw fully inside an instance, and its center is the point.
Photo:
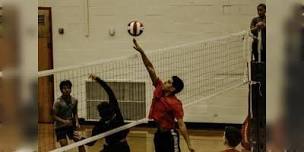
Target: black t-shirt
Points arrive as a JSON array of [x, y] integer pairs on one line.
[[253, 24], [116, 121], [103, 126]]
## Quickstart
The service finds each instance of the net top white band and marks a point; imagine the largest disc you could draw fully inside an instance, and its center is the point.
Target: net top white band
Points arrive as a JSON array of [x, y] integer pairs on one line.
[[50, 72]]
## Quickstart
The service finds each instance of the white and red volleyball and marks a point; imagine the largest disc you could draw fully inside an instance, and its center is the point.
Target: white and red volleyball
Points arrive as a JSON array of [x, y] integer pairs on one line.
[[135, 28]]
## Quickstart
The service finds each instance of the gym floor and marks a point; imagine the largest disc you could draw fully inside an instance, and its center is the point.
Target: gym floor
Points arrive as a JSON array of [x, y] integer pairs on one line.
[[140, 139]]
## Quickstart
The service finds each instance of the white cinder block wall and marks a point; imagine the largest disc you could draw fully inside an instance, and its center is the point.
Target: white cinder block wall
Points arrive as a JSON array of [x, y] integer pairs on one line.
[[167, 23]]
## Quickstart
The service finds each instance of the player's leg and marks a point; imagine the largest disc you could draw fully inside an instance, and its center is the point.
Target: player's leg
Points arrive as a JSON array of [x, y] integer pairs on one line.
[[157, 142], [63, 142], [76, 137], [81, 149], [61, 136], [162, 141], [174, 141], [124, 147]]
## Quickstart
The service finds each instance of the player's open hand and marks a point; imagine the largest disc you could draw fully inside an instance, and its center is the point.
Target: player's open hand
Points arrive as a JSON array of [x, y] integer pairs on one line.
[[67, 122], [261, 25], [136, 46], [92, 76]]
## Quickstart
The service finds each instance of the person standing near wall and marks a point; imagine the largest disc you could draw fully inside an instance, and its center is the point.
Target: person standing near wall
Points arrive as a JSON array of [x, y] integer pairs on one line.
[[259, 24], [66, 116]]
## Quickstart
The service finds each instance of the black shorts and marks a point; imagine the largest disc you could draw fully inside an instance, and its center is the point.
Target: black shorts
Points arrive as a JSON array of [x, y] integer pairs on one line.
[[61, 133], [167, 141], [117, 147]]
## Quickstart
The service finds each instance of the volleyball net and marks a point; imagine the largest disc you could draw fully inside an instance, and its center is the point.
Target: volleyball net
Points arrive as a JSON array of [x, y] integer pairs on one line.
[[207, 68]]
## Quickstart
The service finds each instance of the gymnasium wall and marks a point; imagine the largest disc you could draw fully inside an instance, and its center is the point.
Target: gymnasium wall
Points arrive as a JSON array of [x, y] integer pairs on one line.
[[167, 23]]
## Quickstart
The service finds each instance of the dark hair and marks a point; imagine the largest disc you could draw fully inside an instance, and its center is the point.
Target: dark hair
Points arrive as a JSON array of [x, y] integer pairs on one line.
[[178, 84], [233, 136], [262, 5], [65, 83], [105, 110]]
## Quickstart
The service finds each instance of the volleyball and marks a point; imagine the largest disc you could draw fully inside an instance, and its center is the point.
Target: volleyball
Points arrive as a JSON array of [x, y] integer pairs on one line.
[[135, 28]]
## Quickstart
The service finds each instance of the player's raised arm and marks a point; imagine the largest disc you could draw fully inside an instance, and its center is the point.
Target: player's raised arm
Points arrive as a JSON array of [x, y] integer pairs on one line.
[[147, 62], [112, 98]]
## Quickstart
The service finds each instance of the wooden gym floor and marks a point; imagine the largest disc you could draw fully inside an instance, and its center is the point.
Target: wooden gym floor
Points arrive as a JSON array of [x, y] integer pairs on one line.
[[139, 139]]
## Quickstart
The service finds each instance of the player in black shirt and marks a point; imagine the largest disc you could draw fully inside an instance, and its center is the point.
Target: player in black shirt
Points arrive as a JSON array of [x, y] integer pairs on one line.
[[259, 24], [111, 118]]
